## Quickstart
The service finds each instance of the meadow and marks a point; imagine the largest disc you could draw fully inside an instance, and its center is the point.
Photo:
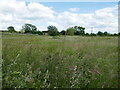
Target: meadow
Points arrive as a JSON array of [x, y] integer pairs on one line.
[[39, 61]]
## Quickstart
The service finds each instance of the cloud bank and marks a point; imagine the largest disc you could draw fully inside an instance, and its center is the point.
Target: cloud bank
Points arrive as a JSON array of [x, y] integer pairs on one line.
[[17, 13]]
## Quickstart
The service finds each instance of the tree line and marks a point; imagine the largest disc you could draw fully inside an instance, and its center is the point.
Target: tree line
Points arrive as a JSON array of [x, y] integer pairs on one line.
[[53, 31]]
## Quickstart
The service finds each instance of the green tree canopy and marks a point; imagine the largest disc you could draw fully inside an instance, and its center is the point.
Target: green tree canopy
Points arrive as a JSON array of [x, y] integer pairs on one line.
[[11, 29], [70, 31], [106, 33], [79, 30], [52, 30], [63, 32], [29, 28], [100, 33]]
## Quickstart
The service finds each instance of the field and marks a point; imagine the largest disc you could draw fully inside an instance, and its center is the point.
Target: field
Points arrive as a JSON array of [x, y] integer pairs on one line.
[[34, 61]]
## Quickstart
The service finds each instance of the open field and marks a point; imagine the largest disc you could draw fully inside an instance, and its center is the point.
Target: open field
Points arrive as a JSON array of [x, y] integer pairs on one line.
[[34, 61]]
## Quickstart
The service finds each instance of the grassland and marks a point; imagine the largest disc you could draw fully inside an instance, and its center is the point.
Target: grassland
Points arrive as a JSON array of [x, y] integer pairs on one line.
[[33, 61]]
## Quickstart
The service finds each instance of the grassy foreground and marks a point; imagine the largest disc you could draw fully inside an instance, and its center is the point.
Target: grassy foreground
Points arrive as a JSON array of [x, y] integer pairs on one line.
[[33, 61]]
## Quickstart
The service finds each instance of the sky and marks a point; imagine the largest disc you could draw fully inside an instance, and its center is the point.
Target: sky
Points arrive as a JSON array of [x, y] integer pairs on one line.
[[101, 16]]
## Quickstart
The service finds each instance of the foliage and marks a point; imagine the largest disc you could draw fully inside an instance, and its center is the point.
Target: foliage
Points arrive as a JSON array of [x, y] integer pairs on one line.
[[52, 30], [32, 61], [63, 32], [79, 30], [22, 31], [87, 34], [29, 28], [93, 34], [70, 31], [106, 33], [76, 30], [115, 34], [39, 33], [11, 29]]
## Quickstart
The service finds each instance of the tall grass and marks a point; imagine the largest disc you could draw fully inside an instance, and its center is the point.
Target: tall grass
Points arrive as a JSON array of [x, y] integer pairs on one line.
[[33, 61], [0, 60]]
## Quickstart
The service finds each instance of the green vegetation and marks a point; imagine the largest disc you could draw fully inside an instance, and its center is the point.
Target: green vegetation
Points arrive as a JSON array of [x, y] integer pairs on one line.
[[29, 28], [34, 61], [11, 29], [53, 31], [79, 30], [70, 31]]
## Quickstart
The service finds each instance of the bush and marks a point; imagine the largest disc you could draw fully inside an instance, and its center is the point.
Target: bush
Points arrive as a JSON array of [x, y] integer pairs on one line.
[[52, 31]]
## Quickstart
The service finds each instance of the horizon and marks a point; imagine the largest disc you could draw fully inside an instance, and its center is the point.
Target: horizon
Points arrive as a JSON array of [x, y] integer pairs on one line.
[[102, 16]]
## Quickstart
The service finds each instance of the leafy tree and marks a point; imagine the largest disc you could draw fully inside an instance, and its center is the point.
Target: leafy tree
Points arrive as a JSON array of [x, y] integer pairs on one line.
[[79, 30], [93, 34], [29, 28], [70, 31], [115, 34], [22, 31], [52, 30], [100, 33], [87, 34], [119, 33], [106, 33], [63, 32], [11, 29], [39, 33]]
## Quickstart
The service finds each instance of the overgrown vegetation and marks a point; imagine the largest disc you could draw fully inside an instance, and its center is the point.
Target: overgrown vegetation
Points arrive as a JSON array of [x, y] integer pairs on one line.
[[33, 61], [53, 31], [11, 29]]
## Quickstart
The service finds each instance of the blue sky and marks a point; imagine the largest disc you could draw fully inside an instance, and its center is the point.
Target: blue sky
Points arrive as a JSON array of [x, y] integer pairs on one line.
[[85, 7], [100, 15], [70, 0]]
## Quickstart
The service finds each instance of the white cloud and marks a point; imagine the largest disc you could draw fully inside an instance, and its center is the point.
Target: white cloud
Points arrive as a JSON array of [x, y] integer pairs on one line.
[[74, 9], [17, 13], [105, 19]]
